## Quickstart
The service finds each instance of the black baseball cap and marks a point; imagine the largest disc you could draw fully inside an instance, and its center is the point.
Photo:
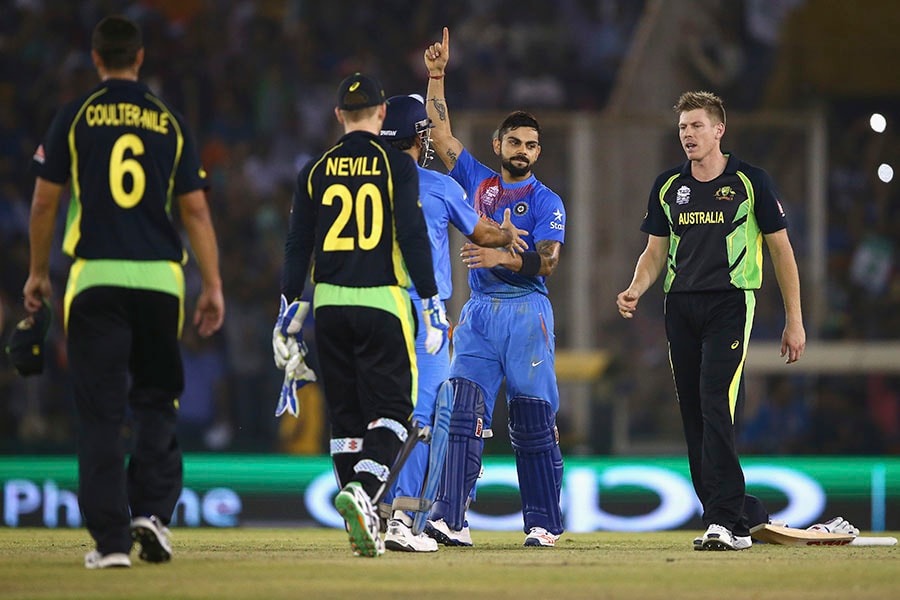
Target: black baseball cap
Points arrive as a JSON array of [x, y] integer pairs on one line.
[[406, 116], [359, 91], [26, 343]]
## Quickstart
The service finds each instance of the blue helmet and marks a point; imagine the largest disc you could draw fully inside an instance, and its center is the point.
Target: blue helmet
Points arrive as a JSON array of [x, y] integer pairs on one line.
[[406, 117]]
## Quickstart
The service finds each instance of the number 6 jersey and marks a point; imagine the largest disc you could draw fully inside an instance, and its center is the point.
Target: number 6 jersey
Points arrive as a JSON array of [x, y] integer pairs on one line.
[[128, 155]]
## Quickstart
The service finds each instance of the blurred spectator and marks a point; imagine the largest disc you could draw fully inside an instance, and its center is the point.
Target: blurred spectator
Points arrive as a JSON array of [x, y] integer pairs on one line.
[[203, 419], [837, 424], [778, 423]]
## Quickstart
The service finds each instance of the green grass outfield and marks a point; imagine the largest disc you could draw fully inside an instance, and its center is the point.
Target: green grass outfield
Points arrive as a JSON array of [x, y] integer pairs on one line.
[[306, 563]]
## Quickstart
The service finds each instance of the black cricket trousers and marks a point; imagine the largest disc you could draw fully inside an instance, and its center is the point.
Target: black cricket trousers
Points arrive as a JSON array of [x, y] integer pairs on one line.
[[124, 354], [708, 334]]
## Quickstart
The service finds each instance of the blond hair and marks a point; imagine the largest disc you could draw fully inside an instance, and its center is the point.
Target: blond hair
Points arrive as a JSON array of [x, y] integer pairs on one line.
[[712, 104]]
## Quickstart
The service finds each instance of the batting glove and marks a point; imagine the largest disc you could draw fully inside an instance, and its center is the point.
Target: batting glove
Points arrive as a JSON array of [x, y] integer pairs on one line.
[[835, 525], [436, 324], [287, 336]]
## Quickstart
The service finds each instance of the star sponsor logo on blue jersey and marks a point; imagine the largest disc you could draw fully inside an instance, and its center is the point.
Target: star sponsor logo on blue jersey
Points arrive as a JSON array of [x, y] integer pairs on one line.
[[557, 223]]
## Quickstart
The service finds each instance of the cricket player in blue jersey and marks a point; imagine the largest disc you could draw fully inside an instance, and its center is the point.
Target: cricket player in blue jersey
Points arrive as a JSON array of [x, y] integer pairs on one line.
[[407, 127], [505, 329]]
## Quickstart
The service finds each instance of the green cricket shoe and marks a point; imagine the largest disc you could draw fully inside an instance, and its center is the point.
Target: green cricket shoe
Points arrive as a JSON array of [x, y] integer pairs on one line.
[[361, 520]]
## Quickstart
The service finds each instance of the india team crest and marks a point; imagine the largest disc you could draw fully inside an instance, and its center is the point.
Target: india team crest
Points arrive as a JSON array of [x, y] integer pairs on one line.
[[520, 209]]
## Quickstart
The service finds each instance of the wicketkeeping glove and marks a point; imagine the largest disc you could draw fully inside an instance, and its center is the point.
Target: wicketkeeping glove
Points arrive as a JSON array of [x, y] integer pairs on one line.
[[436, 324], [294, 379], [835, 525], [289, 351], [287, 336]]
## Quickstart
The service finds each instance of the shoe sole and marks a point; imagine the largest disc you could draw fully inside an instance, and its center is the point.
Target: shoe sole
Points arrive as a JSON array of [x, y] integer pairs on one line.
[[716, 546], [360, 539], [698, 544], [398, 546], [401, 547], [442, 538], [532, 543], [151, 549]]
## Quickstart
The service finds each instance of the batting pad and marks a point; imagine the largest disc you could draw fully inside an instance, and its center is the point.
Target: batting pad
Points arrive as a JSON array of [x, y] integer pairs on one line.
[[440, 440], [463, 462], [532, 431]]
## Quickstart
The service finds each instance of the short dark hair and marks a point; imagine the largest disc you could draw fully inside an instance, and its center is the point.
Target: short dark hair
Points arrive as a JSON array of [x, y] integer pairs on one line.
[[712, 104], [517, 119], [117, 40], [404, 143]]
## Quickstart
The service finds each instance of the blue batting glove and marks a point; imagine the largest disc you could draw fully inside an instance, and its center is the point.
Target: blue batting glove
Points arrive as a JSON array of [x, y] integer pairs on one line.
[[436, 324]]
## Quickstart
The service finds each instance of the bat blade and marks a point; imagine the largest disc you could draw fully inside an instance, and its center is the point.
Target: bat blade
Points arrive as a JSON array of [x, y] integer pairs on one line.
[[790, 536]]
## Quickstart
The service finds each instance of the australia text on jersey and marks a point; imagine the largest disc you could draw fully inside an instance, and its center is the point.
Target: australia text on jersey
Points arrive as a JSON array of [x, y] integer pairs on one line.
[[701, 218]]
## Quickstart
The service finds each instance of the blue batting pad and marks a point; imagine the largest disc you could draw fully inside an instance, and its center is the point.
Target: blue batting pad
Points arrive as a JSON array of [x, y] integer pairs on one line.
[[463, 463], [534, 437], [440, 439]]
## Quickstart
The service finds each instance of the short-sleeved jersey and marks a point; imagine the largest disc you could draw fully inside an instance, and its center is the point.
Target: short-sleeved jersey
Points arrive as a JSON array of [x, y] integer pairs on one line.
[[535, 208], [444, 203], [357, 208], [714, 227], [128, 155]]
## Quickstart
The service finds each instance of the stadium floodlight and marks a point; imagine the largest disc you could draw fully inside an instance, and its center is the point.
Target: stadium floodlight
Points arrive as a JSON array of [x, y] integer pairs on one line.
[[885, 172], [877, 122]]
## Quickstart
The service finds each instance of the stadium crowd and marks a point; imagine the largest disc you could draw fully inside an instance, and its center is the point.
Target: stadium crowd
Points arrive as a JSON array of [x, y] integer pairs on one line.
[[256, 81]]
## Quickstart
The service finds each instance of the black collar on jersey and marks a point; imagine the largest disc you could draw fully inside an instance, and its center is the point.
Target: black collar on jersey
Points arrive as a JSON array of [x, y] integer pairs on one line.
[[731, 167]]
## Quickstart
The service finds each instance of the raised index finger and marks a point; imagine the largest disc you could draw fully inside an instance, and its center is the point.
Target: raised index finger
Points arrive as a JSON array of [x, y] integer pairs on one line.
[[446, 43]]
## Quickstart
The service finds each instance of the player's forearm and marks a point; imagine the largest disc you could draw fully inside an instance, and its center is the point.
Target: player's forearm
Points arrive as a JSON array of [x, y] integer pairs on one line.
[[546, 251], [44, 206], [489, 234], [786, 273], [649, 265], [788, 276], [445, 145], [436, 106], [198, 224]]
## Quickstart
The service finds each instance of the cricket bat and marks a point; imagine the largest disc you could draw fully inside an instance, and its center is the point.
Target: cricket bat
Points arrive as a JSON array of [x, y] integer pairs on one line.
[[790, 536]]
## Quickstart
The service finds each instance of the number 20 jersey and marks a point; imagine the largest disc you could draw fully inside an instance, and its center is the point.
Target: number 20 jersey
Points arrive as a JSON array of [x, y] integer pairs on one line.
[[356, 209], [128, 155]]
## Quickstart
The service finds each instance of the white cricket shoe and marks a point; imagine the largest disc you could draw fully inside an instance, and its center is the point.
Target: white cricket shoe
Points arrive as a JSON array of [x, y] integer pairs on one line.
[[95, 560], [720, 538], [538, 536], [441, 532], [400, 537]]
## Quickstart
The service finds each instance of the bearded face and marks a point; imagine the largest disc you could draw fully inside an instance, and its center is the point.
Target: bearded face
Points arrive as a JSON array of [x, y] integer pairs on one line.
[[518, 150], [518, 165]]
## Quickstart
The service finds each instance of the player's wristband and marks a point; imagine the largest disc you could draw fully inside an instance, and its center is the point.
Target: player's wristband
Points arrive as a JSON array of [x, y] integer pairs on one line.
[[531, 264], [430, 76]]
